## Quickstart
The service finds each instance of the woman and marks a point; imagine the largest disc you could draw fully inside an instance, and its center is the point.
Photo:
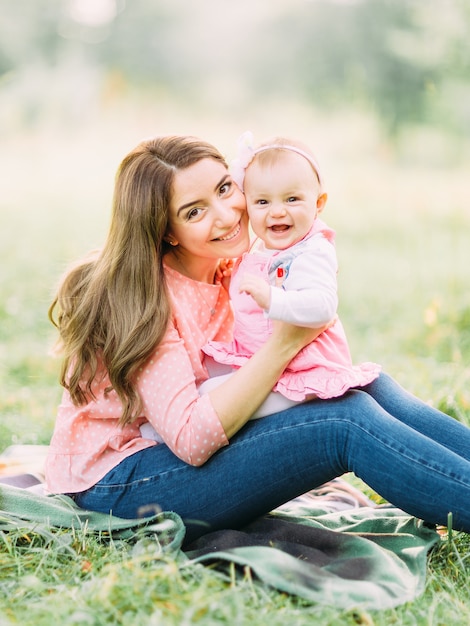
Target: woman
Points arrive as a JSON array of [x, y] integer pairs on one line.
[[132, 321]]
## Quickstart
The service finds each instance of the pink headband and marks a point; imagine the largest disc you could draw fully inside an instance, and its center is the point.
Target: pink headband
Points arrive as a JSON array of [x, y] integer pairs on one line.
[[246, 153]]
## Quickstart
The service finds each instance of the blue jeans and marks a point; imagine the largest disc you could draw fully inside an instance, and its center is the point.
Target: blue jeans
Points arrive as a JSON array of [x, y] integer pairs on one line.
[[414, 456]]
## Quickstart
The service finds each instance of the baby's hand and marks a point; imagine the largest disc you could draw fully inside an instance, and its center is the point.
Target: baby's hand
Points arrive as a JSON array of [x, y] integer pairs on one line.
[[258, 289], [223, 273]]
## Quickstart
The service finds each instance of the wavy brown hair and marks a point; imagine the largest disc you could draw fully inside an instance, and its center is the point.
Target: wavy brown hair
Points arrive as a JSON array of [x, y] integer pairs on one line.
[[113, 307]]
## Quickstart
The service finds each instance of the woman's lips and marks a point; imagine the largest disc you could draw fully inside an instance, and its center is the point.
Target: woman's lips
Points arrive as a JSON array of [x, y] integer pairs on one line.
[[231, 235]]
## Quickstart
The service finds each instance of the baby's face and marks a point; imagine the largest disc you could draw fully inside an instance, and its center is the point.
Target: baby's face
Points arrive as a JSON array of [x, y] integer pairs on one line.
[[282, 199]]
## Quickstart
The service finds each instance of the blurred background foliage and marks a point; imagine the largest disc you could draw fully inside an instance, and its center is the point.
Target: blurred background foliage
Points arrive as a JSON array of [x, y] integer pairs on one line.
[[403, 61]]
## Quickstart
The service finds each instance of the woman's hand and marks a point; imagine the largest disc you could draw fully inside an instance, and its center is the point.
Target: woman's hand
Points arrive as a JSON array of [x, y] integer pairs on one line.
[[240, 396], [297, 337]]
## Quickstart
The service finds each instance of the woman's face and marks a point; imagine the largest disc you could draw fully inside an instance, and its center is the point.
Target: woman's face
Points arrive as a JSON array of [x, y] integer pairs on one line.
[[208, 217]]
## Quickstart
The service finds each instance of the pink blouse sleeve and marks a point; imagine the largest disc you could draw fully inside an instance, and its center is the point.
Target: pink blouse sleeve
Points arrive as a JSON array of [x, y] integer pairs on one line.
[[186, 422]]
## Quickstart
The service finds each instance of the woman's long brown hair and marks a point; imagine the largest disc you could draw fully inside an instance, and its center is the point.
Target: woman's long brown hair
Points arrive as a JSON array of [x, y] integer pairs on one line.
[[113, 307]]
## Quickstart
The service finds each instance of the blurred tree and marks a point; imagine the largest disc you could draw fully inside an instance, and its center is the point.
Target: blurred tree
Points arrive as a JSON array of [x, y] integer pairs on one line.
[[139, 41], [335, 53], [406, 60], [28, 32]]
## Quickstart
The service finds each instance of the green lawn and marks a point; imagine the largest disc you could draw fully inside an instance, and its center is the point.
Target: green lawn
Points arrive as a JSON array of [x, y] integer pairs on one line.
[[403, 229]]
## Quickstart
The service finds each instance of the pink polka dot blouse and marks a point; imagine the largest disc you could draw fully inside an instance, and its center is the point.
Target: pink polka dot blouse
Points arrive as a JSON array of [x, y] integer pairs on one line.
[[88, 442]]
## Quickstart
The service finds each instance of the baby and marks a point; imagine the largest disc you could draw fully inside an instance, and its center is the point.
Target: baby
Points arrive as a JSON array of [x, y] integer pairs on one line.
[[290, 274]]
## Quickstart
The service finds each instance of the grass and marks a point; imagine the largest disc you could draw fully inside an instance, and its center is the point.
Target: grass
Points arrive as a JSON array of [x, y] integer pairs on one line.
[[402, 222], [74, 579]]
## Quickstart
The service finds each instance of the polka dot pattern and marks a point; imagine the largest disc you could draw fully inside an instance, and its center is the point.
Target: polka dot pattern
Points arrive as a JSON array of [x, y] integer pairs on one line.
[[88, 442]]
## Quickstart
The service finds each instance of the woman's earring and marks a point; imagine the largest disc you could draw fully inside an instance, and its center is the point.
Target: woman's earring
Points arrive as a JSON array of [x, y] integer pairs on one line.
[[172, 242]]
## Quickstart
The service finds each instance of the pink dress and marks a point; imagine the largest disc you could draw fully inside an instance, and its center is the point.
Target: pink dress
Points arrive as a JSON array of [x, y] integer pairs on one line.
[[323, 368]]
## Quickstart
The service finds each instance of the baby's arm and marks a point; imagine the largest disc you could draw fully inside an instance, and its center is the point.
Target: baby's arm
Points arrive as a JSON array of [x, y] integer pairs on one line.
[[309, 296], [257, 288]]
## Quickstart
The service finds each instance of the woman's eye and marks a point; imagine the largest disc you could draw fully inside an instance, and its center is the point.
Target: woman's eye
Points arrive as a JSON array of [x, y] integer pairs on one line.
[[225, 188], [192, 213]]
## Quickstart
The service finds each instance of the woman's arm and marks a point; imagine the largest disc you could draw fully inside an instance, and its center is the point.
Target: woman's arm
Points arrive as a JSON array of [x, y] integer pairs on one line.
[[195, 427], [273, 403], [238, 398], [167, 386]]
